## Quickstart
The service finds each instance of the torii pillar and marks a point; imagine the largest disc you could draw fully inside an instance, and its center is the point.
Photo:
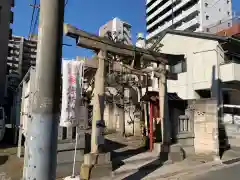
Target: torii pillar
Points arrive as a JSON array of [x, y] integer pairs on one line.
[[97, 138]]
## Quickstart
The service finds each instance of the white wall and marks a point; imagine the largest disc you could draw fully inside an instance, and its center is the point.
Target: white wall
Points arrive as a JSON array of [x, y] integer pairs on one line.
[[201, 57], [230, 72], [216, 10]]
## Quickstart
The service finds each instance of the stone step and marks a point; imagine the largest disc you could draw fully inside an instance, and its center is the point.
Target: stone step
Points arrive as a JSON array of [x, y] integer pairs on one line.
[[174, 152]]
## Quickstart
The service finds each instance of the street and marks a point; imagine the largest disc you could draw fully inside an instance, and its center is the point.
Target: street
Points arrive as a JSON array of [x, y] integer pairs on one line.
[[229, 173]]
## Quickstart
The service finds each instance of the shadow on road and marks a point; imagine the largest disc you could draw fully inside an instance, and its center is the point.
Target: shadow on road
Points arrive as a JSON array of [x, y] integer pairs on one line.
[[117, 155], [3, 160], [150, 167]]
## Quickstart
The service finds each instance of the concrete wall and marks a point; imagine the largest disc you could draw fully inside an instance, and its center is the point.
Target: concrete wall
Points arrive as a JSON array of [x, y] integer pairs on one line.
[[113, 117], [201, 57], [218, 11], [230, 72], [5, 15], [206, 127]]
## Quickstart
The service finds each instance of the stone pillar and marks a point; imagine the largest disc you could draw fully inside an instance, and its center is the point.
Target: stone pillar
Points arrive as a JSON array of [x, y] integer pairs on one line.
[[98, 163]]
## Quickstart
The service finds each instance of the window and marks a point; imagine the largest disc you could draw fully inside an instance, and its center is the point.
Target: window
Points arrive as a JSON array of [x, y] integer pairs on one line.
[[219, 9], [179, 67], [228, 13], [229, 24], [207, 17], [228, 1], [207, 30], [206, 4]]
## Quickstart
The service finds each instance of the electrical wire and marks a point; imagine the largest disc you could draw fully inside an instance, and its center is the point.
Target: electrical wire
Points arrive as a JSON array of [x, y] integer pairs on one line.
[[36, 21], [214, 4], [32, 17], [66, 3]]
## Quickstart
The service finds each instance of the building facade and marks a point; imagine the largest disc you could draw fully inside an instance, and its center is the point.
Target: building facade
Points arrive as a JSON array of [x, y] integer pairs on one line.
[[188, 15], [208, 58], [209, 80], [22, 55], [6, 18], [118, 29]]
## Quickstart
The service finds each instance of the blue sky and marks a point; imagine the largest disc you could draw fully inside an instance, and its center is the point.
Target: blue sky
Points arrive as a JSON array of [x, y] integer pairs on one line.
[[89, 15]]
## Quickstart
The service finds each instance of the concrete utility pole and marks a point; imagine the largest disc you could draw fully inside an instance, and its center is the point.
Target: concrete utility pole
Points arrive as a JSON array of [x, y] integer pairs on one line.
[[42, 137], [98, 107]]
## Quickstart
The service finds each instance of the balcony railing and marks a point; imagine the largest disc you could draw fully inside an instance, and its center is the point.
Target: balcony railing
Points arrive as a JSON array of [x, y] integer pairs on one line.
[[167, 14], [188, 24], [154, 5], [160, 9], [179, 18]]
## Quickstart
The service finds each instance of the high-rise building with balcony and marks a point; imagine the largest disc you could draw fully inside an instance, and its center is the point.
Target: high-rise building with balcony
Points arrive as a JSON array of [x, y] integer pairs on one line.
[[187, 15], [118, 29], [6, 18], [21, 56]]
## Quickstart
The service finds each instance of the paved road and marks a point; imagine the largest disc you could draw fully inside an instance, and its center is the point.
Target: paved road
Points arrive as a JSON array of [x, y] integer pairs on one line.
[[228, 173]]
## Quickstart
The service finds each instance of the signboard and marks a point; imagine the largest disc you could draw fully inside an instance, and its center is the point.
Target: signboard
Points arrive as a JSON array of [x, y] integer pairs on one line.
[[72, 85]]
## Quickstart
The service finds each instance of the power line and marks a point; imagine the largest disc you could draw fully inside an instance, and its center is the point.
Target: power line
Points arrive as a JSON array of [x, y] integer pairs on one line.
[[214, 4], [36, 21], [31, 23], [66, 2], [32, 28]]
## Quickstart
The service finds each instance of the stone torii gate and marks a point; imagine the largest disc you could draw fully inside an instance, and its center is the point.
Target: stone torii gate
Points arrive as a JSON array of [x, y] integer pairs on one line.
[[103, 46]]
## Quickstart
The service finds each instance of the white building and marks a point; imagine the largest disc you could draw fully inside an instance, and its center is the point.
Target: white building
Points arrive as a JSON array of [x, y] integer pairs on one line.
[[190, 15], [208, 58], [119, 30]]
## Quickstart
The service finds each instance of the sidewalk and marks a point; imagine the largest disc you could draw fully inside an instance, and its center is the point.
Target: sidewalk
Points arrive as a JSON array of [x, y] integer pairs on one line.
[[155, 169], [11, 166], [130, 161], [146, 166]]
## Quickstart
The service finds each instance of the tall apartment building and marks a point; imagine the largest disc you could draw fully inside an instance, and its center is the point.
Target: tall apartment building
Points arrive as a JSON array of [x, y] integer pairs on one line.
[[6, 18], [22, 55], [188, 15], [118, 29]]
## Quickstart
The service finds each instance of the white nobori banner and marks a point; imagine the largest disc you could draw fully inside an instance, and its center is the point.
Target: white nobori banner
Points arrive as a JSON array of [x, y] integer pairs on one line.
[[72, 85]]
